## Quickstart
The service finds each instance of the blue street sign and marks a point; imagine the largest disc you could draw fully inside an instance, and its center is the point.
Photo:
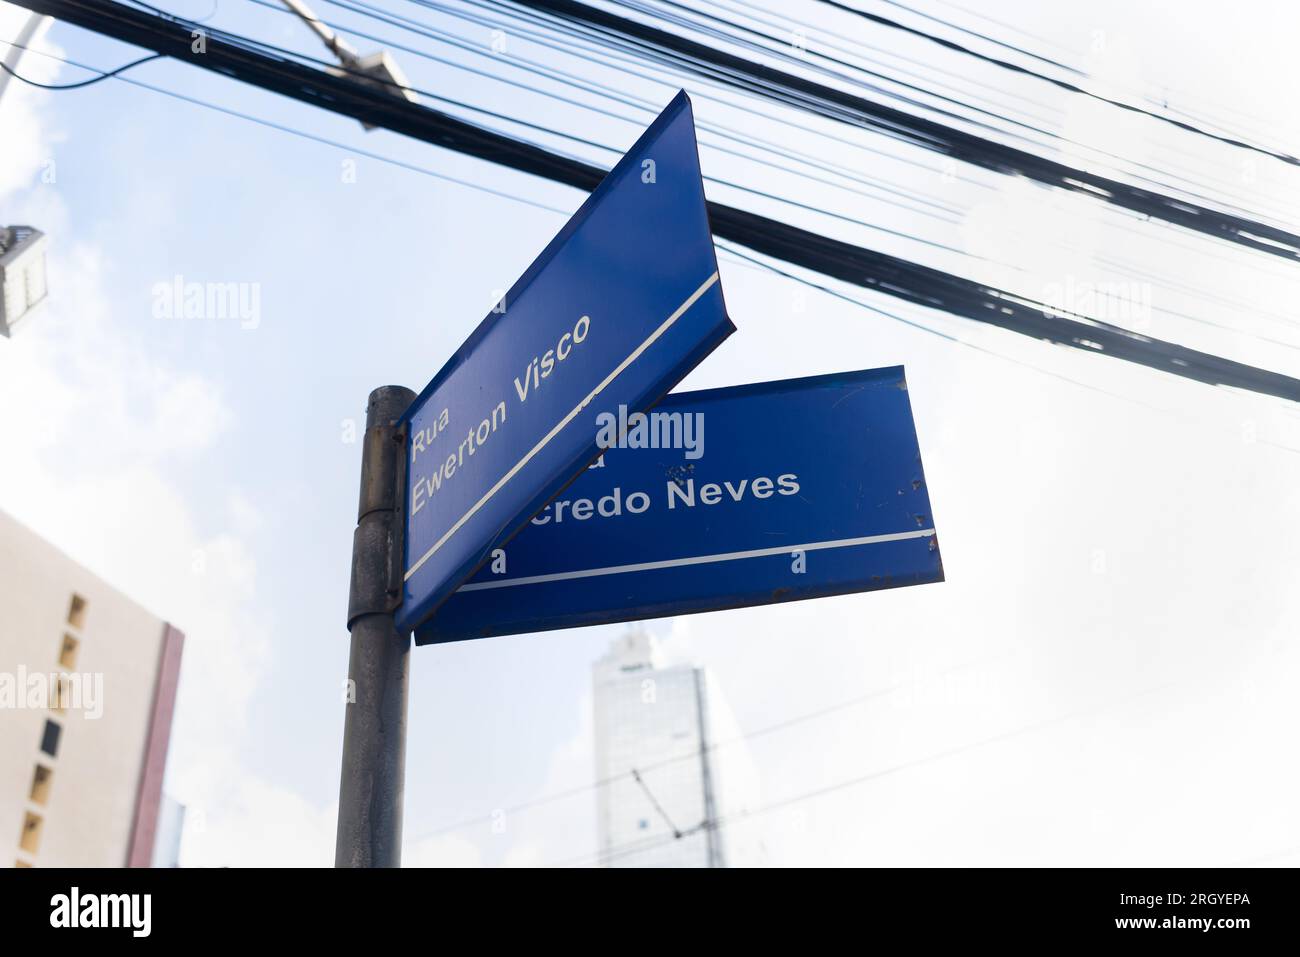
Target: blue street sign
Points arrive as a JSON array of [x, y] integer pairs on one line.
[[621, 305], [720, 499]]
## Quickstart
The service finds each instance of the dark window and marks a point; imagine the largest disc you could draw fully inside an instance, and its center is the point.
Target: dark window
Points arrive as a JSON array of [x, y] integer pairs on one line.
[[77, 612], [50, 739], [40, 792], [68, 653], [30, 839]]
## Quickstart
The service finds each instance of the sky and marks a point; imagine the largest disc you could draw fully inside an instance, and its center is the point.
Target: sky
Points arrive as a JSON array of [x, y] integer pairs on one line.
[[1106, 676]]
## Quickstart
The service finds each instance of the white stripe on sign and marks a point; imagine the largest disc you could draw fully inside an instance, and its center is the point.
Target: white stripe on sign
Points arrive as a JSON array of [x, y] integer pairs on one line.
[[696, 560], [636, 353]]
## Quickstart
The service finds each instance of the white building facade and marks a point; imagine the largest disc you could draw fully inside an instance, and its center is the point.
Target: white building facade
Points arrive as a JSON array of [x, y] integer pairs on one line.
[[88, 684], [656, 805]]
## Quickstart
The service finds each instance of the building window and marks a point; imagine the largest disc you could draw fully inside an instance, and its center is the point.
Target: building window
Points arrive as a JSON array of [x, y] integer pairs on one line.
[[62, 695], [41, 784], [31, 838], [77, 612], [50, 739], [68, 653], [21, 863]]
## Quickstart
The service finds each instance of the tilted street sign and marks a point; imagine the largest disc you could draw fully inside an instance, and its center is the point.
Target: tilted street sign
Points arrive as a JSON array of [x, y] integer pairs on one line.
[[621, 305], [719, 499]]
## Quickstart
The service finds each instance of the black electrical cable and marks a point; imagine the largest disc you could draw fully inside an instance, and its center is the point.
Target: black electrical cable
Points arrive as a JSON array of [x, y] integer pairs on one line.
[[988, 38], [847, 107], [1061, 84], [641, 845], [636, 104], [898, 277], [383, 16], [1038, 38], [572, 31], [714, 128], [577, 30], [84, 83], [577, 35], [302, 134], [968, 81]]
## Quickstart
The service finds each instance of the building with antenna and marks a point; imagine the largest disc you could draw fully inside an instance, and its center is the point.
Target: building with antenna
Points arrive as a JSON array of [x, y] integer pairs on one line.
[[657, 803]]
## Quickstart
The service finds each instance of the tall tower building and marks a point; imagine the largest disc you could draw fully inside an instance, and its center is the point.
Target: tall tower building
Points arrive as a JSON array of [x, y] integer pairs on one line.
[[87, 687], [652, 744]]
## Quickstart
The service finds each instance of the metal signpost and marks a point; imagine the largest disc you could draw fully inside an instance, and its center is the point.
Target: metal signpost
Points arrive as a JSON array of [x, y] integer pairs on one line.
[[374, 724], [617, 309], [720, 499]]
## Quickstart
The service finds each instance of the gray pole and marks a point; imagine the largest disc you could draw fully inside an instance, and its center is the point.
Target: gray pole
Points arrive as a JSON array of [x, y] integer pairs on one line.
[[374, 725]]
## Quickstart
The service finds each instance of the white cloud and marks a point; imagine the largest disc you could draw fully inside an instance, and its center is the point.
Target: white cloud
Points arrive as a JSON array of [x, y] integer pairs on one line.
[[92, 428], [245, 822], [442, 851], [28, 142]]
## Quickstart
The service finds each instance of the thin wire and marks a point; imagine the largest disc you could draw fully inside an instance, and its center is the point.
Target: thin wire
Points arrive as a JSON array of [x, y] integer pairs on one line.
[[1061, 84], [604, 54], [636, 776], [991, 39], [231, 37], [472, 185], [1130, 218], [590, 45], [818, 105], [271, 124], [1209, 102], [491, 191], [1257, 199], [252, 43], [781, 51], [694, 754], [384, 17], [649, 109], [639, 847], [1126, 221], [732, 250], [84, 83]]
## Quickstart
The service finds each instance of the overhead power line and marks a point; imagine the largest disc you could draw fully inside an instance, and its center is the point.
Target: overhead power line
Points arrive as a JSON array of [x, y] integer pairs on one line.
[[846, 107], [1061, 84], [1207, 106], [238, 57], [726, 29], [645, 106], [515, 120], [81, 83], [572, 42], [654, 801], [294, 131], [632, 848], [817, 40], [579, 42], [728, 250], [989, 38]]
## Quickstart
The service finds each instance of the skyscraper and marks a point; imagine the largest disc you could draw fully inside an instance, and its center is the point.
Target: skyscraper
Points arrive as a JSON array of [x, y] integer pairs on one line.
[[653, 748], [87, 686], [168, 833]]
